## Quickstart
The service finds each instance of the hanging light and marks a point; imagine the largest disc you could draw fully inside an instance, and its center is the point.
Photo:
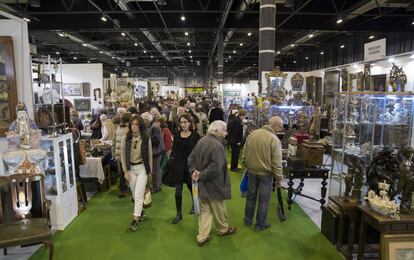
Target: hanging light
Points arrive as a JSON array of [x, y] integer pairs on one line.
[[136, 44], [339, 20], [371, 37], [182, 18], [186, 33], [123, 34], [249, 34], [103, 18]]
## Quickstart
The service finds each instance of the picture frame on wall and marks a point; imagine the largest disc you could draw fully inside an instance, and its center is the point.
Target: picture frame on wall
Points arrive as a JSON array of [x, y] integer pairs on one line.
[[8, 87], [397, 247], [72, 89], [86, 89], [82, 104]]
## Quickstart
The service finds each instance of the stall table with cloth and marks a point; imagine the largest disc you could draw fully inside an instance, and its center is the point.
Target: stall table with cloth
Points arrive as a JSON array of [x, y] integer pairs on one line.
[[92, 169]]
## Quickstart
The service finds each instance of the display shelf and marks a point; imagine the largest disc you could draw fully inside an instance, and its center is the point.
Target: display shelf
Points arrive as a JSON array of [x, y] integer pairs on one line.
[[60, 179], [363, 124]]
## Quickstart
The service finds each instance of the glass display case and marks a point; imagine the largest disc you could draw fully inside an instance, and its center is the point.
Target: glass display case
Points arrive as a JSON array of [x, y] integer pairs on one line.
[[289, 114], [363, 125], [60, 186]]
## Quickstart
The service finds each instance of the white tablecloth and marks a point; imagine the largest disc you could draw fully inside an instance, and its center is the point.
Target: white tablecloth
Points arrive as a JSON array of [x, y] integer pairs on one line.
[[92, 169]]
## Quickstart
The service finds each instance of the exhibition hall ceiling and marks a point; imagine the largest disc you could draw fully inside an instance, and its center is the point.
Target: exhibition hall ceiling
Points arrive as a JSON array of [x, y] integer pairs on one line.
[[175, 37]]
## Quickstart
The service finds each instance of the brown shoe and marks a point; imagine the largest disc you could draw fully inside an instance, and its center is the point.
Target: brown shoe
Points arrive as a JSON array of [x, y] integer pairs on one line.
[[230, 231], [201, 243]]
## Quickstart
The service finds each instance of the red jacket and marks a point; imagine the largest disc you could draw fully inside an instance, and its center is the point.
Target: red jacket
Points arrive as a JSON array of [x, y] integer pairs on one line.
[[168, 142]]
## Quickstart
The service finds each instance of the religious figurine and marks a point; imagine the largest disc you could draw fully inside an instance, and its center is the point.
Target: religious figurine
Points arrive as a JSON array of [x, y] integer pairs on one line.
[[353, 118], [399, 114], [23, 126], [398, 79], [358, 178], [292, 147], [302, 120], [315, 124], [349, 178]]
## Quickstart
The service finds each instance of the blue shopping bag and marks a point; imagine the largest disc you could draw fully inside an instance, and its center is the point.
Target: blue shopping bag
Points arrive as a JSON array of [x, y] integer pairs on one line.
[[244, 184], [196, 199]]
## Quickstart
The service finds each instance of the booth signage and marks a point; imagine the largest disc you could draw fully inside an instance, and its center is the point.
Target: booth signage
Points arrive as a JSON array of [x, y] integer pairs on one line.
[[375, 50]]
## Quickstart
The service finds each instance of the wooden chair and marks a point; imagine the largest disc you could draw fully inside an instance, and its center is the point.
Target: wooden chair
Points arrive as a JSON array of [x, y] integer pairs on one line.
[[17, 228]]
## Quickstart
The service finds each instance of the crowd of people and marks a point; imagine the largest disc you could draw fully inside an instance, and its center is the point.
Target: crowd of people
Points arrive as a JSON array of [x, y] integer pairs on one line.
[[194, 134]]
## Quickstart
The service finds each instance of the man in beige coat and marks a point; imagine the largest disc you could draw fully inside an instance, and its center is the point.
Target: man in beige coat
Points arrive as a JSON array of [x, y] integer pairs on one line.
[[262, 155]]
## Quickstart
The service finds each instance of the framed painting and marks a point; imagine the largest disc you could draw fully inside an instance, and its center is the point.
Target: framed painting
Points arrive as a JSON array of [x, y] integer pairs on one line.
[[72, 89], [82, 104], [8, 90], [397, 247]]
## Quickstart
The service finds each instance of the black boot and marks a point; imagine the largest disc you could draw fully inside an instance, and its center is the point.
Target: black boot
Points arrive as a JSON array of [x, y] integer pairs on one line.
[[178, 203], [192, 210]]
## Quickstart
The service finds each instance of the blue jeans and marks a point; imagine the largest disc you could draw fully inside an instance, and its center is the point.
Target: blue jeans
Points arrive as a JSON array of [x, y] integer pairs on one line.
[[262, 186]]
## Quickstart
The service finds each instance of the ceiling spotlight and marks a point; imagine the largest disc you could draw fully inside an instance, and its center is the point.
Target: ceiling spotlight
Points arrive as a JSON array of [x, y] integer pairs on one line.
[[322, 53], [191, 56], [89, 61], [294, 61], [84, 44], [191, 61], [186, 33], [75, 58], [306, 58], [278, 52], [116, 69], [355, 66], [241, 44], [57, 53], [157, 60], [152, 57], [229, 57], [292, 45], [113, 57], [249, 34], [342, 46], [61, 34], [234, 51], [371, 37], [188, 44], [189, 51], [26, 19], [391, 60], [311, 35], [103, 18], [339, 20], [145, 51], [182, 18], [136, 44], [412, 22]]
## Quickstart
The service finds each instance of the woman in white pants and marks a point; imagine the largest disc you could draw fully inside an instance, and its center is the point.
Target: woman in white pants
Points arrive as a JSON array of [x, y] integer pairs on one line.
[[136, 158]]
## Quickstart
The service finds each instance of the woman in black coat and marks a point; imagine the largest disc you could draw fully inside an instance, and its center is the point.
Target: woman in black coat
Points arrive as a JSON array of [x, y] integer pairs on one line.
[[235, 137], [184, 142]]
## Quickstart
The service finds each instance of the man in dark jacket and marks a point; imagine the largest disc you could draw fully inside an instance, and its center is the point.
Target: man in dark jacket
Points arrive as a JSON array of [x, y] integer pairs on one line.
[[208, 165], [215, 113], [235, 136]]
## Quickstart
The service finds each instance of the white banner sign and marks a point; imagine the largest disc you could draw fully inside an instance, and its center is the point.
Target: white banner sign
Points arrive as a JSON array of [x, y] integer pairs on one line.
[[375, 50]]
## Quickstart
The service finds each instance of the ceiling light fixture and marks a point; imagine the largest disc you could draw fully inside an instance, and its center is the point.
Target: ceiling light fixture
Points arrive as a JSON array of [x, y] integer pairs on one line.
[[113, 57], [145, 51], [292, 45], [311, 35], [116, 69], [75, 58], [294, 61], [339, 20], [412, 23], [136, 44], [229, 57], [100, 52], [152, 57], [186, 33], [84, 44], [391, 60], [249, 34], [306, 58], [355, 66], [234, 51], [412, 56], [322, 53], [61, 34], [342, 46], [241, 44], [26, 19], [371, 37], [157, 60], [189, 51], [103, 18], [278, 52], [188, 44], [57, 53], [182, 18], [191, 56]]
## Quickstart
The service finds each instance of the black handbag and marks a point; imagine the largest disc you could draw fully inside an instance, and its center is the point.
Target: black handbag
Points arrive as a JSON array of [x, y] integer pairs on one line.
[[168, 176]]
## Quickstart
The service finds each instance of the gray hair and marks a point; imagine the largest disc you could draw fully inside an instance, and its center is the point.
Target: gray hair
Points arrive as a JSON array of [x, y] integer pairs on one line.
[[147, 116], [216, 126]]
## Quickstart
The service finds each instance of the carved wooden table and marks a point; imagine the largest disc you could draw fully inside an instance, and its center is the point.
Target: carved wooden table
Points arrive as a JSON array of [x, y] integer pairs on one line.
[[383, 224], [307, 173]]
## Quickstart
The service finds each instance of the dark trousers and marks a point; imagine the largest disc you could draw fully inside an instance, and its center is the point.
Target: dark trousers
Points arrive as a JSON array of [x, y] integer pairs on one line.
[[122, 182], [235, 152], [258, 186], [179, 196]]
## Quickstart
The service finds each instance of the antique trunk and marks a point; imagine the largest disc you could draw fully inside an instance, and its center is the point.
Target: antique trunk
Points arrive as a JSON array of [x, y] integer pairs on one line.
[[312, 153]]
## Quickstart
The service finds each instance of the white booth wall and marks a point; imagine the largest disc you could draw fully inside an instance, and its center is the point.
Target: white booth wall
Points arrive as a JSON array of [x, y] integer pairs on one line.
[[17, 29]]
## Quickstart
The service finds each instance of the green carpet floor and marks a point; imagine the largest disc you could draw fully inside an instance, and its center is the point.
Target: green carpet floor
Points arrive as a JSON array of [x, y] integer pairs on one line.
[[101, 232]]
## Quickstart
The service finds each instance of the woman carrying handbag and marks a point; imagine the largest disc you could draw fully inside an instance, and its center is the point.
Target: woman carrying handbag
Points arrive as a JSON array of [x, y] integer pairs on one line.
[[136, 157]]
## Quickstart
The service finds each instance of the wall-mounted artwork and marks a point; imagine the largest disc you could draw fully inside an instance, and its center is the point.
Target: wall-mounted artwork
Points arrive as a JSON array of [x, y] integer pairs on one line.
[[82, 104], [297, 82], [8, 91], [379, 82], [72, 89], [86, 89], [330, 87]]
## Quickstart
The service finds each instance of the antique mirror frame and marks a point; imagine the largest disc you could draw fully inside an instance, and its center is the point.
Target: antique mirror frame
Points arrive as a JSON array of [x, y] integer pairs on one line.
[[279, 76]]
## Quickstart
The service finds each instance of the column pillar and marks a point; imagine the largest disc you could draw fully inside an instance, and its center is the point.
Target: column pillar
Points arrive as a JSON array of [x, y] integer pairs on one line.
[[220, 52], [266, 38]]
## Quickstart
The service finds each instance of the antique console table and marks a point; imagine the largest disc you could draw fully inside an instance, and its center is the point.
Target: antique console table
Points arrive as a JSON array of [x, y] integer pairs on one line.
[[403, 224], [302, 174]]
